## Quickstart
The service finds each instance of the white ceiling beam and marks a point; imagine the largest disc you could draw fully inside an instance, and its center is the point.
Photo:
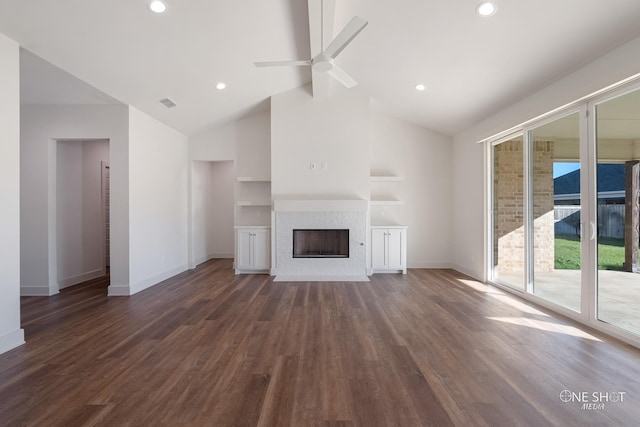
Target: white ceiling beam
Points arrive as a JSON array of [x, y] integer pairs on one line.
[[321, 19]]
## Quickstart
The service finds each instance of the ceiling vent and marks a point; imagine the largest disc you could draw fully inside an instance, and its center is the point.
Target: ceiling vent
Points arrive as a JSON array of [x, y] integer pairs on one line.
[[167, 103]]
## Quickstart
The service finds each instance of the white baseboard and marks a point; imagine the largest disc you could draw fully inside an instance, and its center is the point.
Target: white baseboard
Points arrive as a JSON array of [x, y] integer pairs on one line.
[[214, 255], [36, 291], [321, 278], [74, 280], [473, 274], [11, 340], [118, 291], [147, 283], [426, 264]]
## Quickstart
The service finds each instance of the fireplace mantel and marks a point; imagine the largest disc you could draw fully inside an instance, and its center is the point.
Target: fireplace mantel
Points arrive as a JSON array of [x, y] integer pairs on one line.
[[357, 205]]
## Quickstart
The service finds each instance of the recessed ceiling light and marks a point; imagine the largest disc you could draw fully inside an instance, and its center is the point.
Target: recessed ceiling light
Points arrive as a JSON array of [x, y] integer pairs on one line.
[[486, 9], [420, 87], [157, 6], [221, 86]]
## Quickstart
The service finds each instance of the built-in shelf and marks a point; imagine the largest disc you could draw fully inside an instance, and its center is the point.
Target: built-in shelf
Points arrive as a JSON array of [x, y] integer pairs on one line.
[[386, 224], [385, 178], [252, 179], [253, 202], [386, 202]]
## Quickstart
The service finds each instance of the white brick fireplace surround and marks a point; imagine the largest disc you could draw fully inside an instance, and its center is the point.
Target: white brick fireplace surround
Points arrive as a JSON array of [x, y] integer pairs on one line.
[[319, 214]]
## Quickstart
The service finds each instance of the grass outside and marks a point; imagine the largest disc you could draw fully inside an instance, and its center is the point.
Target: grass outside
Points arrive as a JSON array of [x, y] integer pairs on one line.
[[567, 253]]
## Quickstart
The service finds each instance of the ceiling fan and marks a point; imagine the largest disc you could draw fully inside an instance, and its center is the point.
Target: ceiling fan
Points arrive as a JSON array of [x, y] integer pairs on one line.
[[325, 60]]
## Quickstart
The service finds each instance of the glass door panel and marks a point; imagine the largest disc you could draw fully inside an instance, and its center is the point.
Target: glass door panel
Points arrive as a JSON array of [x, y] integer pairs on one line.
[[617, 182], [508, 213], [556, 211]]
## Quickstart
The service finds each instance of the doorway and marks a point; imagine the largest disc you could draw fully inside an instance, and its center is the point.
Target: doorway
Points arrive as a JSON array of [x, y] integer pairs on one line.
[[106, 210], [212, 210], [82, 200]]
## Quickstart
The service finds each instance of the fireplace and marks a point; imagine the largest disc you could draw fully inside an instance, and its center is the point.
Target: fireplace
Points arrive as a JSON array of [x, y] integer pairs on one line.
[[338, 220], [321, 243]]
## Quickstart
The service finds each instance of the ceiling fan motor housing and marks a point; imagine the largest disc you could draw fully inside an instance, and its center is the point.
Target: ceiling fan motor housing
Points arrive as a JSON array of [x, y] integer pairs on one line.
[[322, 63]]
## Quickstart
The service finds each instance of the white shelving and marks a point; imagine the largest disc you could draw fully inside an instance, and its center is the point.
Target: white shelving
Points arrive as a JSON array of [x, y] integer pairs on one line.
[[253, 191], [254, 202], [386, 202], [387, 252], [383, 192], [252, 179], [385, 178]]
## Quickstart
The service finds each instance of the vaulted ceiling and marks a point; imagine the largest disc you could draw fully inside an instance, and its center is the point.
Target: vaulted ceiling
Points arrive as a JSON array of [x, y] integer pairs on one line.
[[472, 66]]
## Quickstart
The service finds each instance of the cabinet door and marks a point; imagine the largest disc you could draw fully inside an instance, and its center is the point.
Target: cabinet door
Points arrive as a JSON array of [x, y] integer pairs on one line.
[[244, 244], [261, 249], [378, 248], [395, 243]]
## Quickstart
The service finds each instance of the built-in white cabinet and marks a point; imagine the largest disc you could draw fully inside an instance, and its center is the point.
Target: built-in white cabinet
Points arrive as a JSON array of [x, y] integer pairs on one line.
[[388, 249], [253, 249]]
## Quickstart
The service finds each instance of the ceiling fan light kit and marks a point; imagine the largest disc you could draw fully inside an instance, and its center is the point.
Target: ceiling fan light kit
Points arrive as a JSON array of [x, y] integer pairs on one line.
[[322, 63]]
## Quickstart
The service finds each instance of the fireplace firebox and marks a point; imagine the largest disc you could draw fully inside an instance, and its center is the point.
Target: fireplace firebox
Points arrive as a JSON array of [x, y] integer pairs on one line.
[[324, 243]]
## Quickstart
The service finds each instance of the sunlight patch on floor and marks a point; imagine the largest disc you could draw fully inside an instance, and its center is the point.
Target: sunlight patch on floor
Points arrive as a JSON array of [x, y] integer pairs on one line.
[[526, 308], [546, 326], [480, 287], [501, 296]]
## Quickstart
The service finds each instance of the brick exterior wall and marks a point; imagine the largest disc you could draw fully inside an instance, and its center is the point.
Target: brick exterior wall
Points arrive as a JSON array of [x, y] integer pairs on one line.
[[543, 219], [509, 207]]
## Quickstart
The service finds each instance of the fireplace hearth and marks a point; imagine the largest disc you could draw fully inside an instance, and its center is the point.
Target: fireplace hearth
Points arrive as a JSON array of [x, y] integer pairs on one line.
[[321, 243]]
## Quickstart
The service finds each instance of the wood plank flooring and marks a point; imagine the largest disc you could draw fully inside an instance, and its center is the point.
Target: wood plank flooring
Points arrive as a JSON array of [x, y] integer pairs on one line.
[[207, 348]]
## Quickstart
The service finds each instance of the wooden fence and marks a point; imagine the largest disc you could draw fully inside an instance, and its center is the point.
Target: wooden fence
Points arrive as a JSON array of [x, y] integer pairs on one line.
[[610, 220]]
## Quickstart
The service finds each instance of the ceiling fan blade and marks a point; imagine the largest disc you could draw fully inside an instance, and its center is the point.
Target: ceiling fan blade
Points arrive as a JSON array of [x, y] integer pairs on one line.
[[348, 33], [281, 63], [340, 75]]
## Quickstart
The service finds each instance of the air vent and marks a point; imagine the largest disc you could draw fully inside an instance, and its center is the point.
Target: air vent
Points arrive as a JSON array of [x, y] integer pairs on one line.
[[167, 103]]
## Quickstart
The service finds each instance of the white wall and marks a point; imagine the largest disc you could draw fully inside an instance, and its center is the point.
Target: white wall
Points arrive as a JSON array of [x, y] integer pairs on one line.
[[424, 160], [340, 132], [41, 127], [469, 211], [468, 214], [246, 140], [10, 333], [253, 159], [334, 131], [79, 210], [253, 145], [220, 207], [218, 143], [213, 209], [69, 210], [158, 211]]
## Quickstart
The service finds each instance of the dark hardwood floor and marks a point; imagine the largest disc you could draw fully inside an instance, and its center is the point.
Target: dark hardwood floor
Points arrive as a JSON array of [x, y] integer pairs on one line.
[[213, 349]]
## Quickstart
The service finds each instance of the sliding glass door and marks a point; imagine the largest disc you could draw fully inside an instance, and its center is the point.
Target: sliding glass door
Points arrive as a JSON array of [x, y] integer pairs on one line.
[[556, 211], [618, 182], [508, 213], [565, 212], [536, 215]]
